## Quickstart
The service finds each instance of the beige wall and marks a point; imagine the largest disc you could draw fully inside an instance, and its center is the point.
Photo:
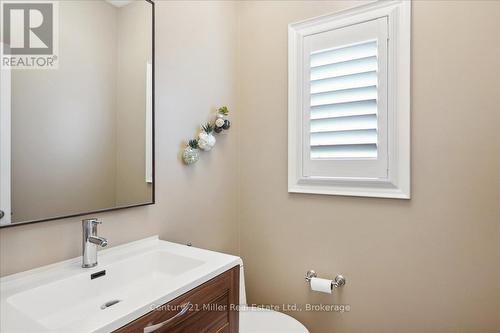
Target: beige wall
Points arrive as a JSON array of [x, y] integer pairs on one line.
[[133, 52], [63, 139], [195, 73], [426, 265], [81, 146]]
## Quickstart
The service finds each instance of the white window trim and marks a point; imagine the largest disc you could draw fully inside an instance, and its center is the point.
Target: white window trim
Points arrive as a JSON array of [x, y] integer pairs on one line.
[[397, 184], [149, 124], [5, 143]]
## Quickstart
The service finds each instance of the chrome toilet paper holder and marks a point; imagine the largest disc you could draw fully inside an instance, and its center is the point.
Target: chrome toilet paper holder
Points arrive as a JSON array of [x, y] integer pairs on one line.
[[338, 282]]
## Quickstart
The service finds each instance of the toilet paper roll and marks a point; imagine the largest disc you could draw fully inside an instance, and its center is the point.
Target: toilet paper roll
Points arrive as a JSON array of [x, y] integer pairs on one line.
[[322, 285]]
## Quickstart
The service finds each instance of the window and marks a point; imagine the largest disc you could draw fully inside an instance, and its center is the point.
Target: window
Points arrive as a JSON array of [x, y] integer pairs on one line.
[[349, 102]]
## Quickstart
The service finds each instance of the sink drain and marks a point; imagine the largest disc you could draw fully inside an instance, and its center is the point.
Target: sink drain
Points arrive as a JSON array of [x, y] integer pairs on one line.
[[110, 303]]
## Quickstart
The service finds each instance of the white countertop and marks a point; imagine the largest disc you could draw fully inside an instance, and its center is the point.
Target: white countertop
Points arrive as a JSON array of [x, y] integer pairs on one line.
[[143, 274]]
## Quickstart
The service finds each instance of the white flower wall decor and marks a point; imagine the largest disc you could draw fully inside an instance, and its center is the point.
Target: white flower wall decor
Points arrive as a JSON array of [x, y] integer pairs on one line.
[[206, 139]]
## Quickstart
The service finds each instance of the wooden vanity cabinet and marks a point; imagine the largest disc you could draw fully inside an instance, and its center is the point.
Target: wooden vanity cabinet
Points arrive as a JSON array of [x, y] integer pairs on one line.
[[208, 308]]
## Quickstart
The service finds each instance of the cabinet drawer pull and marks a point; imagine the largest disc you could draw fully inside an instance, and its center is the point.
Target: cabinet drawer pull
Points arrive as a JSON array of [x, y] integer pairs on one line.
[[184, 309]]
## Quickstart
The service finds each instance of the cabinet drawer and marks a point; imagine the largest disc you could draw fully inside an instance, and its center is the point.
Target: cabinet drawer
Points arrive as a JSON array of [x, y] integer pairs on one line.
[[205, 309]]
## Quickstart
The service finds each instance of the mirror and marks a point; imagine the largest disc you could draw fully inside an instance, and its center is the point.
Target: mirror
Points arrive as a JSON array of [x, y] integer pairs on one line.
[[77, 138]]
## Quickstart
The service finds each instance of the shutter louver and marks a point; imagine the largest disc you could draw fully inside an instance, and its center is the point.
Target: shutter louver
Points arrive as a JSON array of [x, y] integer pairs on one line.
[[343, 105]]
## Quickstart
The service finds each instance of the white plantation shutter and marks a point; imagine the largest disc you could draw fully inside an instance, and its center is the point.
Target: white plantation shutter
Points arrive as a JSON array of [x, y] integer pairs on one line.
[[343, 118], [349, 102], [345, 98]]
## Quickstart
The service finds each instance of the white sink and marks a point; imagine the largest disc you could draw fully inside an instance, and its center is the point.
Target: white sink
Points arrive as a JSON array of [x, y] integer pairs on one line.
[[139, 276]]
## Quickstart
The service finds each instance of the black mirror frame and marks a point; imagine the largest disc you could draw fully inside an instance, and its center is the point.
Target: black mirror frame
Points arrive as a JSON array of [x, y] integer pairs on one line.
[[153, 185]]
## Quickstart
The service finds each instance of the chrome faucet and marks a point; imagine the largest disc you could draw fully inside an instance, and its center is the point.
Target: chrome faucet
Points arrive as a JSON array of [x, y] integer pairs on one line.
[[90, 242]]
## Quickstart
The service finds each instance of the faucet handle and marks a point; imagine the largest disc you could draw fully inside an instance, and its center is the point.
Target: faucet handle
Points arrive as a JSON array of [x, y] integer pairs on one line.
[[91, 221]]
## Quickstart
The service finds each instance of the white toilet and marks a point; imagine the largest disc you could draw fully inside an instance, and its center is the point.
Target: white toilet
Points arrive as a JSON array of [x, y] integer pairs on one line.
[[257, 320]]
